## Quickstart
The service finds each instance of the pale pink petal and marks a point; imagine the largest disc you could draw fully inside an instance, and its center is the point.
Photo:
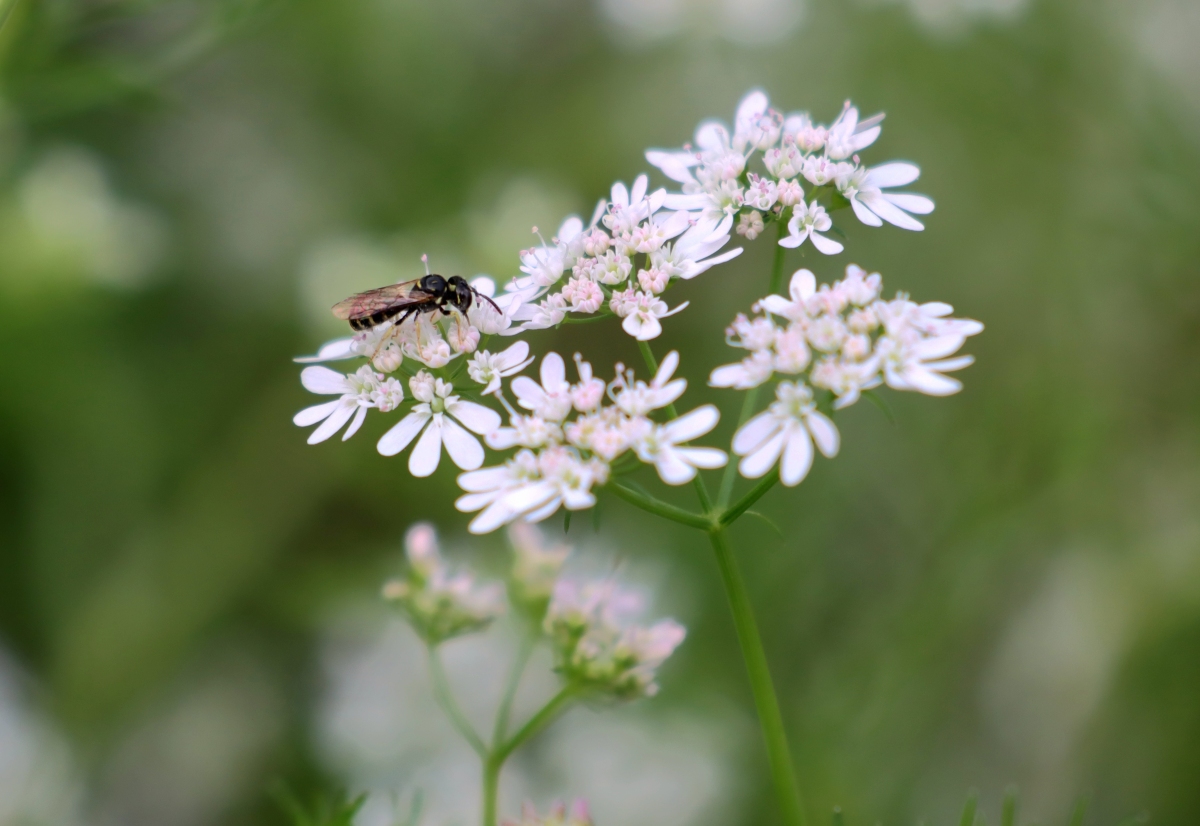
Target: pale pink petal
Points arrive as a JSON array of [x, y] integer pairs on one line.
[[672, 469], [554, 372], [803, 285], [620, 195]]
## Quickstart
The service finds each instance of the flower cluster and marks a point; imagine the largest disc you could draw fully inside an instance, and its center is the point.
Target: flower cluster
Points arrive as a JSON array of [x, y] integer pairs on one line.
[[842, 338], [559, 815], [536, 565], [801, 163], [620, 263], [569, 439], [596, 647], [438, 603]]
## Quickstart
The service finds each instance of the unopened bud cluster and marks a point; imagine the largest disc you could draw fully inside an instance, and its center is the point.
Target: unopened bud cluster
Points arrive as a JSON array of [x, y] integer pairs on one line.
[[559, 815], [536, 566], [596, 648], [437, 602]]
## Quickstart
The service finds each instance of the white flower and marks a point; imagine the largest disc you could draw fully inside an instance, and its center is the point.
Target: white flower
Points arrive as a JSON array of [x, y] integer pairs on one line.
[[521, 489], [786, 429], [588, 394], [437, 602], [583, 295], [359, 392], [642, 311], [488, 369], [864, 189], [486, 488], [551, 400], [483, 316], [800, 129], [918, 365], [809, 222], [690, 255], [636, 398], [747, 373], [756, 125], [762, 194], [847, 135], [557, 816], [661, 446], [439, 415]]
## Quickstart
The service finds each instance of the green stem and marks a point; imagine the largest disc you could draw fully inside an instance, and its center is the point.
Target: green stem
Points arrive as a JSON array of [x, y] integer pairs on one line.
[[749, 404], [730, 514], [510, 690], [658, 507], [777, 264], [445, 698], [765, 701], [6, 7], [537, 722], [491, 790]]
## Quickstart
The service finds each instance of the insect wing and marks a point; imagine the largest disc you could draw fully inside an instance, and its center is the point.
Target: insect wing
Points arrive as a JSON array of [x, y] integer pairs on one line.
[[392, 296]]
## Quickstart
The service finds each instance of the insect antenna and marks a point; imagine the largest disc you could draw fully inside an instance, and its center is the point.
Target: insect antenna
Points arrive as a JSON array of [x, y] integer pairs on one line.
[[425, 261], [480, 295]]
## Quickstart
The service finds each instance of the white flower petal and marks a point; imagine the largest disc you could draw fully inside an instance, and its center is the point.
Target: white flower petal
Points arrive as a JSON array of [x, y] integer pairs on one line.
[[639, 189], [490, 519], [464, 449], [803, 285], [620, 195], [793, 241], [334, 423], [424, 459], [475, 417], [797, 455], [764, 458], [889, 212], [672, 469], [554, 372], [342, 348], [703, 457], [488, 479], [824, 433], [910, 202], [323, 380], [754, 433], [825, 245], [403, 432], [314, 414], [693, 425], [359, 417], [897, 173], [865, 215]]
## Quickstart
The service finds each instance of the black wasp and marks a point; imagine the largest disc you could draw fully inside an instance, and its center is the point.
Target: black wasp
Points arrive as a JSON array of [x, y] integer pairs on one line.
[[424, 295]]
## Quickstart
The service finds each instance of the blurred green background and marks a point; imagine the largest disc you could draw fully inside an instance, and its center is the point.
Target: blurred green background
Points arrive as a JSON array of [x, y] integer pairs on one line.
[[1001, 587]]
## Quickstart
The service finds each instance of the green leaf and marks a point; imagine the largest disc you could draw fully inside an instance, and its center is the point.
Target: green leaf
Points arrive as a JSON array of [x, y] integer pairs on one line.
[[1077, 812], [567, 522], [1008, 815], [968, 813]]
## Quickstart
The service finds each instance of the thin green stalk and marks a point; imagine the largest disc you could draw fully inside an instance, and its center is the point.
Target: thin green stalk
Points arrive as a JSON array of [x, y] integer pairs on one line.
[[658, 507], [765, 701], [528, 642], [749, 404], [777, 264], [6, 7], [491, 789], [537, 722], [445, 698], [731, 514]]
